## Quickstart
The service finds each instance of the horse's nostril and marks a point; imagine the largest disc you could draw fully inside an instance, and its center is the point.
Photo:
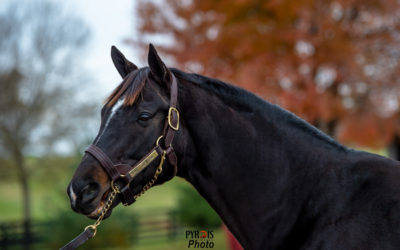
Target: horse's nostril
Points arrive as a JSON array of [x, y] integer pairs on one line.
[[89, 192]]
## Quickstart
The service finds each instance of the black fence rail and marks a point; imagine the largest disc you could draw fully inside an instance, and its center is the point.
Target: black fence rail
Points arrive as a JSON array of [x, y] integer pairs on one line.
[[20, 233], [157, 225]]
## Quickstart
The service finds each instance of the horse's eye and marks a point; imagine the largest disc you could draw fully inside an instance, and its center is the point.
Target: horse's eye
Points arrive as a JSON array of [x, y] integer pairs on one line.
[[145, 117]]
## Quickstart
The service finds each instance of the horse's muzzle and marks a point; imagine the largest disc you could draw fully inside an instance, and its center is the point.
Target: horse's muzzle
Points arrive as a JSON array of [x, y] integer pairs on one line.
[[84, 196]]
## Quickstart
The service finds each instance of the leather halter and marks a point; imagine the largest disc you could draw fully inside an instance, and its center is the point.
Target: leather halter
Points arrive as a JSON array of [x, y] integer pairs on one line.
[[125, 173]]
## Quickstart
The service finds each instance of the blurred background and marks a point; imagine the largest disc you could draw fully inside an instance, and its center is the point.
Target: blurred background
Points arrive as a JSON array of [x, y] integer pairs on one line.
[[335, 63]]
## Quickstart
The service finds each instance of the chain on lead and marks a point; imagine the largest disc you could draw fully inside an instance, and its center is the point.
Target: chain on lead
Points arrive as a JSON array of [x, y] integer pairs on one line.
[[107, 207], [151, 183]]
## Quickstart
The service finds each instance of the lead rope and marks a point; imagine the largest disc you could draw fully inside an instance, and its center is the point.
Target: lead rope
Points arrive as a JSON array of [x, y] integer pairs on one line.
[[107, 206]]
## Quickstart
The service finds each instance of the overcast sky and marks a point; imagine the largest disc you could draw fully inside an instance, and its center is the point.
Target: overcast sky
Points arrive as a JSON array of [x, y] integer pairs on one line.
[[110, 23]]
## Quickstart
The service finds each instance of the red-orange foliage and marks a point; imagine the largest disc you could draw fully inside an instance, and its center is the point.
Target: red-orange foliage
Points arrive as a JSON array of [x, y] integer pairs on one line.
[[334, 63]]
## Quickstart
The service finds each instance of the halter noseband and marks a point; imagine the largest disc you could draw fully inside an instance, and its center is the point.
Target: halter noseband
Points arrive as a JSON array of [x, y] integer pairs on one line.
[[126, 172]]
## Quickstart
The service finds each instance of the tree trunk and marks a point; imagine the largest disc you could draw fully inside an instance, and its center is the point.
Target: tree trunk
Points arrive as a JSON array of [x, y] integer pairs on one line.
[[394, 148], [23, 179]]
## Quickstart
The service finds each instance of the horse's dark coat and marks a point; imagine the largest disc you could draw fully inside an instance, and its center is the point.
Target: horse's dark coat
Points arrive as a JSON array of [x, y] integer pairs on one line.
[[275, 180]]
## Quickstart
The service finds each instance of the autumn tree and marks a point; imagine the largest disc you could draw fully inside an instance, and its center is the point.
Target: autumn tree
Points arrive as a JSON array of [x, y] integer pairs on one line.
[[333, 62], [38, 47]]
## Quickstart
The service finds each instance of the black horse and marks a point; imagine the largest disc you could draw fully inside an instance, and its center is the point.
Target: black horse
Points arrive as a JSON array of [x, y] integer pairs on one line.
[[276, 181]]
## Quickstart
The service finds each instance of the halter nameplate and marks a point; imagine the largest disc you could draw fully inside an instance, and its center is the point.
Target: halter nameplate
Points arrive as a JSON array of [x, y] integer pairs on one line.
[[143, 164]]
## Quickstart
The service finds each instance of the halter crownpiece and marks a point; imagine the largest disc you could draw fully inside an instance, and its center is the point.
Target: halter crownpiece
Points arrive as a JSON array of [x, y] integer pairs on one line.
[[125, 173]]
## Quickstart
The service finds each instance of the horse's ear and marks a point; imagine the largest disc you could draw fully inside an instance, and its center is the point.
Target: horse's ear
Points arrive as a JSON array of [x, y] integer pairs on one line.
[[123, 65], [157, 67]]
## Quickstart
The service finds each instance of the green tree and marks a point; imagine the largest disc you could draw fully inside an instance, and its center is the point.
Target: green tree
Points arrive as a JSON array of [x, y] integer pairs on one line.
[[193, 211]]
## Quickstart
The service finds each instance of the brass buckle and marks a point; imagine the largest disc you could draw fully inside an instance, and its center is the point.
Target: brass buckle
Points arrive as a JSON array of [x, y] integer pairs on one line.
[[158, 140], [170, 119]]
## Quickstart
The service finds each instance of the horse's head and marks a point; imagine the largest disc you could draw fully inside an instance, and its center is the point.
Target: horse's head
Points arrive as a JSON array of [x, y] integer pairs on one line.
[[132, 120]]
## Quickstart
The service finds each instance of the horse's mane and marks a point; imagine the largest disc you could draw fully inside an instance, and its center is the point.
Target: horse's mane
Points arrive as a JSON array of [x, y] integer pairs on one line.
[[130, 87], [238, 95], [223, 89], [134, 82]]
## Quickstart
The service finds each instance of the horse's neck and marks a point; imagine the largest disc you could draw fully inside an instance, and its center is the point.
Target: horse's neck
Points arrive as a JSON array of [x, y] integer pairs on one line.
[[243, 165]]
